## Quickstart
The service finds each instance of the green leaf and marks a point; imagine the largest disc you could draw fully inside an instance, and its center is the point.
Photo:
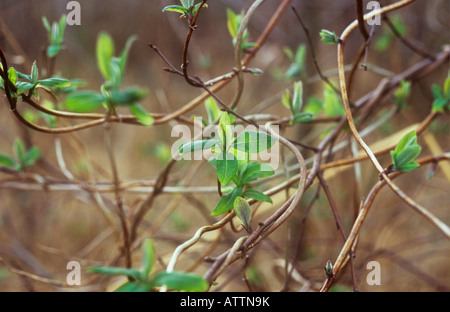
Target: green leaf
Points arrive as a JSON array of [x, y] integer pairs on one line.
[[53, 50], [12, 75], [23, 86], [227, 167], [33, 154], [148, 258], [128, 96], [251, 193], [297, 99], [104, 51], [187, 3], [141, 114], [198, 145], [84, 101], [408, 139], [19, 150], [286, 99], [253, 141], [332, 103], [328, 37], [405, 152], [7, 161], [115, 271], [181, 281], [212, 109], [124, 55], [34, 73], [226, 202], [243, 212], [439, 105], [46, 24], [134, 287], [301, 117], [406, 156], [175, 8], [447, 88], [55, 82], [255, 171], [233, 22]]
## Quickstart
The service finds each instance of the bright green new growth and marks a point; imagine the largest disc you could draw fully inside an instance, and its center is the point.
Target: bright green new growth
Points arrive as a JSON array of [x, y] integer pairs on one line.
[[402, 93], [441, 96], [231, 159], [328, 37], [187, 9], [233, 23], [143, 280], [112, 95], [22, 158], [297, 68], [244, 213], [295, 104], [55, 34], [405, 153]]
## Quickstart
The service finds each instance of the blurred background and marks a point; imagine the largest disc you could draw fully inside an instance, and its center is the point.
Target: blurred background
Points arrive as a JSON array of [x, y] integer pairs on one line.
[[41, 231]]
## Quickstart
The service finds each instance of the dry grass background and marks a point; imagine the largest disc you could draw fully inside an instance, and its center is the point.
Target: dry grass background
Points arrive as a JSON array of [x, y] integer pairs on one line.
[[41, 231]]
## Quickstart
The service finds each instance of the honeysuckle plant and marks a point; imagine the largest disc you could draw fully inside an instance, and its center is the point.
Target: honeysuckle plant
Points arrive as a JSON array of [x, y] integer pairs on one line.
[[441, 96], [405, 153], [187, 9], [145, 280], [112, 94], [294, 102], [22, 157], [232, 162], [234, 23]]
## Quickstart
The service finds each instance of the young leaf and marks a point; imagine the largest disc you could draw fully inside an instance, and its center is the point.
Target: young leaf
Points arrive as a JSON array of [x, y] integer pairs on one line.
[[19, 150], [212, 109], [253, 141], [227, 167], [251, 193], [124, 55], [181, 281], [328, 37], [148, 258], [175, 8], [134, 287], [23, 86], [115, 271], [255, 171], [297, 99], [12, 75], [141, 114], [244, 213], [34, 73], [128, 96], [7, 161], [55, 82], [105, 51], [84, 101], [332, 103], [198, 145], [226, 202], [31, 156], [301, 117], [405, 152]]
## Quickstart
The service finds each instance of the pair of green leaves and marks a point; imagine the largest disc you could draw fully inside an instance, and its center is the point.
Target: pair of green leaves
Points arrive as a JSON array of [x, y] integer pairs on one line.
[[441, 96], [294, 102], [330, 104], [112, 69], [32, 82], [143, 280], [297, 67], [234, 23], [328, 37], [55, 34], [22, 157], [405, 153], [245, 174], [187, 9], [401, 94]]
